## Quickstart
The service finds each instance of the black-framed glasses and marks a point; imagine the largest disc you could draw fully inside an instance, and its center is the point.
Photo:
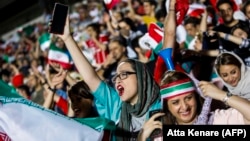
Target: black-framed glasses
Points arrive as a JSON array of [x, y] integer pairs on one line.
[[122, 75]]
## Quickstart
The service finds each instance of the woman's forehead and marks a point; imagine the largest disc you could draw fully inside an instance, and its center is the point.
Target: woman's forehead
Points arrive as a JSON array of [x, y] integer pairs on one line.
[[124, 66]]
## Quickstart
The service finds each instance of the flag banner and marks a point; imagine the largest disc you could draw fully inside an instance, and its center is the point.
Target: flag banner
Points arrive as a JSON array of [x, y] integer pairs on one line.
[[195, 9], [59, 55], [153, 38], [110, 4], [99, 55], [4, 136], [23, 120], [181, 8], [44, 41], [98, 123]]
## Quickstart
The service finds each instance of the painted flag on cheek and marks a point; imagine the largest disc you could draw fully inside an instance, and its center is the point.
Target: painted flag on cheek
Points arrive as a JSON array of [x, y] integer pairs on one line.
[[23, 120]]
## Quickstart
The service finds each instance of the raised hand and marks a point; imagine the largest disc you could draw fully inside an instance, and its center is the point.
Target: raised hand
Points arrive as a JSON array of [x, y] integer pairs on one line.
[[59, 77], [211, 90], [149, 126], [66, 34], [56, 66]]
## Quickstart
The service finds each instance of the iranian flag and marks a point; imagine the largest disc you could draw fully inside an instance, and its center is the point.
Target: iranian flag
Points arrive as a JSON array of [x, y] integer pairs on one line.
[[60, 55], [44, 41], [23, 120]]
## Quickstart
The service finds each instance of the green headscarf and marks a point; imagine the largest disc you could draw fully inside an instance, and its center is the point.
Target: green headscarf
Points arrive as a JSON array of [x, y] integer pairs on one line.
[[148, 93]]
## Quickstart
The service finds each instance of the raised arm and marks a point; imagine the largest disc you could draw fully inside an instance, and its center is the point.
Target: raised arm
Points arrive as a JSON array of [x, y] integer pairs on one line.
[[132, 13], [203, 24], [111, 24], [170, 26], [81, 62], [237, 40]]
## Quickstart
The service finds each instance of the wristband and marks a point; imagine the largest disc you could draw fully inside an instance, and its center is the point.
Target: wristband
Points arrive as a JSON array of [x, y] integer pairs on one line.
[[226, 37], [53, 90], [228, 95]]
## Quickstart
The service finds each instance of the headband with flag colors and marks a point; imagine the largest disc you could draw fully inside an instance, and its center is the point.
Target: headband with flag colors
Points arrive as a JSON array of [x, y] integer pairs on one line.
[[177, 88]]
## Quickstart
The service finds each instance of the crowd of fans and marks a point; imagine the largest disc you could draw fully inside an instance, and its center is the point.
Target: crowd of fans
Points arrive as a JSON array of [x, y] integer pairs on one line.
[[85, 82]]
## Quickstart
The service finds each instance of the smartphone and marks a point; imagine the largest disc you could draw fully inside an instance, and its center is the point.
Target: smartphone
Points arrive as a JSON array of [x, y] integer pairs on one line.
[[157, 133], [59, 17], [151, 113]]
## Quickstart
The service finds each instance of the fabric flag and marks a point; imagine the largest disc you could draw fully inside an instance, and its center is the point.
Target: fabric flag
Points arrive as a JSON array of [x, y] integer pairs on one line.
[[197, 13], [196, 9], [23, 120], [152, 39], [110, 4], [98, 54], [181, 8], [28, 30], [44, 41], [60, 55]]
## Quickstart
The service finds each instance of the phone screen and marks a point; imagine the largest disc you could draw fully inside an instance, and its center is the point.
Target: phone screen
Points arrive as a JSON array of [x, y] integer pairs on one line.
[[58, 18]]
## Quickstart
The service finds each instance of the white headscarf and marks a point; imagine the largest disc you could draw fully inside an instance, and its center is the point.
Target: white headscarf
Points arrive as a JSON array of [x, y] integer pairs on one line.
[[243, 87]]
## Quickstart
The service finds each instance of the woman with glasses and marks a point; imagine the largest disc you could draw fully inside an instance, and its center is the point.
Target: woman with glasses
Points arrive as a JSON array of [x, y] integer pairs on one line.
[[128, 104]]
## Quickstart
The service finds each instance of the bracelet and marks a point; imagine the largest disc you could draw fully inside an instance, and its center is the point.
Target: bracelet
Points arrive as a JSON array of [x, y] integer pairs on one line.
[[225, 99], [53, 90], [226, 37]]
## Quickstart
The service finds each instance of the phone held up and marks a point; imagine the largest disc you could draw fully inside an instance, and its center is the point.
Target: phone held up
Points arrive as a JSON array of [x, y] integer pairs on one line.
[[156, 135], [59, 17]]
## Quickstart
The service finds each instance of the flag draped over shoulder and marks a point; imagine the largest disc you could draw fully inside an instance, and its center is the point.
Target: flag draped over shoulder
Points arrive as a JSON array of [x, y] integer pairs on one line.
[[60, 55], [23, 120]]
